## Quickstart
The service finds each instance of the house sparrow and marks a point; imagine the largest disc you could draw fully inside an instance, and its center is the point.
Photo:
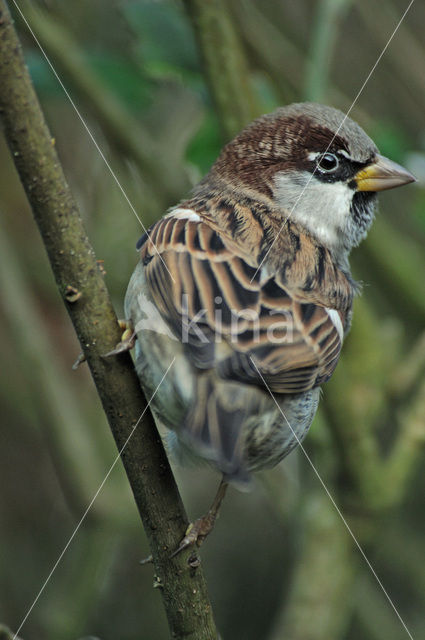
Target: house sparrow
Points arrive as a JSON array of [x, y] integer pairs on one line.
[[246, 285]]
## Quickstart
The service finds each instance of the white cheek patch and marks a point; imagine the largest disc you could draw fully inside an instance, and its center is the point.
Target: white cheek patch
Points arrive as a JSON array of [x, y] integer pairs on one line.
[[336, 321], [323, 208], [184, 214]]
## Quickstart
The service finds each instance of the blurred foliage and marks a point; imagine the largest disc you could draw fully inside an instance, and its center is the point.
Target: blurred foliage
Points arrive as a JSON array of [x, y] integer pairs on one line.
[[55, 448]]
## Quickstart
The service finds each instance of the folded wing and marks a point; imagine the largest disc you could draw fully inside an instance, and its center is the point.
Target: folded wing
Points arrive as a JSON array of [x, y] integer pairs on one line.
[[240, 322]]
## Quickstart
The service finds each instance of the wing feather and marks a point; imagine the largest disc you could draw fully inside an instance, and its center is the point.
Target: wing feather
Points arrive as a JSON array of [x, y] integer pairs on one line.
[[194, 274]]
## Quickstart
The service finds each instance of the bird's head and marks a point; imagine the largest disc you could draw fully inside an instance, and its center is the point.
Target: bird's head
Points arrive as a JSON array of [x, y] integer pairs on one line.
[[318, 166]]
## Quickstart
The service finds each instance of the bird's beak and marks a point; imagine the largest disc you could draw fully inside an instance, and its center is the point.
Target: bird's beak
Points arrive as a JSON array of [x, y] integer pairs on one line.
[[382, 174]]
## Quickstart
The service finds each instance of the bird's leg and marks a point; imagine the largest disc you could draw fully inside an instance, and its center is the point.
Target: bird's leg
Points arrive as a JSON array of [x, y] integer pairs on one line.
[[197, 531], [128, 338]]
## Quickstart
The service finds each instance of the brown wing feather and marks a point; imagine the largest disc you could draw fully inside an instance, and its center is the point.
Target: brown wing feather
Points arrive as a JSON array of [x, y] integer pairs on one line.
[[194, 274]]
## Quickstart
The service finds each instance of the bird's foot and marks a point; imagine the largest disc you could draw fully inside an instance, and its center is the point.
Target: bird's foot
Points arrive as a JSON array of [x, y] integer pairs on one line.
[[127, 341], [196, 532]]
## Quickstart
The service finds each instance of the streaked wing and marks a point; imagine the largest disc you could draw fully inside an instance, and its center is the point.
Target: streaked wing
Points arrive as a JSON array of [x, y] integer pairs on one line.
[[229, 316]]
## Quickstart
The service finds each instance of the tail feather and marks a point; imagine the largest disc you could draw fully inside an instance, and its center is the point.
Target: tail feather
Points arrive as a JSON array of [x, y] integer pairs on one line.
[[214, 426]]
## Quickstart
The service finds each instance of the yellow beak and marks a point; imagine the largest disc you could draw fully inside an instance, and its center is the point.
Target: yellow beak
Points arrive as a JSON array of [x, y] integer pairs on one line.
[[382, 174]]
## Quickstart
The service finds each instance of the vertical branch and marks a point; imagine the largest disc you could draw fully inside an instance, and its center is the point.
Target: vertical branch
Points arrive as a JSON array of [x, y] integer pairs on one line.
[[85, 296], [225, 65], [328, 16], [313, 612]]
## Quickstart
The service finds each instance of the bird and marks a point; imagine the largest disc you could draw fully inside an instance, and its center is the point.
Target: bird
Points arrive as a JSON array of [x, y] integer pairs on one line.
[[243, 293]]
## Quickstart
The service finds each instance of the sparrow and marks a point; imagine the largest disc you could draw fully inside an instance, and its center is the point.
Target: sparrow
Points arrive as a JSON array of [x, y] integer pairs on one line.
[[243, 293]]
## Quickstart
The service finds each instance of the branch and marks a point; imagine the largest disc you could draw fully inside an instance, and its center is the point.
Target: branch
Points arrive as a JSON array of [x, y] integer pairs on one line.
[[126, 133], [74, 265], [327, 560], [224, 63], [7, 634], [271, 46], [329, 14], [380, 22], [408, 446], [397, 262], [356, 398]]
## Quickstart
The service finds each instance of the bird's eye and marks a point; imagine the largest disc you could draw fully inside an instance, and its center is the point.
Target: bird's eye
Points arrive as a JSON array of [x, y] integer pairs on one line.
[[327, 162]]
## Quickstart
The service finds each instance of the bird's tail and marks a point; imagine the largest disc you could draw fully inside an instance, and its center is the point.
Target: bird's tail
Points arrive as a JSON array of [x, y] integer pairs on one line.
[[214, 426]]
